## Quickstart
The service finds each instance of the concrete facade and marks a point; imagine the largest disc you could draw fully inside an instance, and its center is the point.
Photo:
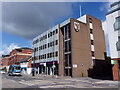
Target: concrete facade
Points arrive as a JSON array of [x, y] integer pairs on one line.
[[113, 26]]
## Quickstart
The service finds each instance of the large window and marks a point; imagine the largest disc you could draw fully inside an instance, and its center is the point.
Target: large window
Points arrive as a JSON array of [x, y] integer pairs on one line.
[[117, 23], [67, 46], [68, 60], [118, 44], [67, 31]]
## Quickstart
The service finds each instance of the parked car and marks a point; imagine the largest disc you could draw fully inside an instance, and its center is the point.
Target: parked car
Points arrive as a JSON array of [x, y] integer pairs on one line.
[[2, 72]]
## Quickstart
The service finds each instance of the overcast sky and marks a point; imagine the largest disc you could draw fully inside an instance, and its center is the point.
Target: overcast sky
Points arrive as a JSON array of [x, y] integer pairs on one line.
[[33, 18], [21, 21]]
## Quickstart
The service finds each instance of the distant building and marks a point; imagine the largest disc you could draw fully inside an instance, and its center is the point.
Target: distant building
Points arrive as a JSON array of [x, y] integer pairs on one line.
[[113, 26], [69, 48], [18, 54], [4, 61], [25, 64]]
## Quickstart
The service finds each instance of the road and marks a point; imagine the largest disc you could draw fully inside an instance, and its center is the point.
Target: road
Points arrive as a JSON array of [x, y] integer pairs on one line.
[[40, 81]]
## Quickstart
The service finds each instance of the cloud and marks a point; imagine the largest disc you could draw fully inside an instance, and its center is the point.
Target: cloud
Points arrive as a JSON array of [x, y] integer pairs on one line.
[[106, 5], [104, 25], [28, 19], [7, 49]]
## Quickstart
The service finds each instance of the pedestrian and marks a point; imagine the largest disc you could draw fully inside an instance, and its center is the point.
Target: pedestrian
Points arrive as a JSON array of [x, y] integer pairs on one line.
[[33, 72]]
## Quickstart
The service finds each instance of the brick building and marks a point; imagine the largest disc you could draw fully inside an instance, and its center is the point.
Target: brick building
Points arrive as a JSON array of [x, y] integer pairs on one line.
[[18, 54], [14, 56], [69, 48], [5, 61], [25, 64]]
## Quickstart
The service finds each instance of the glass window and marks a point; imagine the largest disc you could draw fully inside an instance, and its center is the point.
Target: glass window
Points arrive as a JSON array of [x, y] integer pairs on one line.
[[91, 31], [50, 33], [67, 46], [56, 53], [118, 44], [90, 20], [53, 32], [117, 23], [56, 31], [119, 64], [93, 53], [56, 42], [48, 45], [92, 42], [53, 54], [66, 59], [50, 55], [67, 31], [53, 43]]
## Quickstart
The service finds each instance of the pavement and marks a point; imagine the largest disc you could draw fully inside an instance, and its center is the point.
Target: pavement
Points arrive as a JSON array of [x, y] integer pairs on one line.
[[43, 81]]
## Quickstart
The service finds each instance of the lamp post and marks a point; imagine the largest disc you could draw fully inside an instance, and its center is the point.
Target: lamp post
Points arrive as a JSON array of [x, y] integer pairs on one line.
[[33, 70]]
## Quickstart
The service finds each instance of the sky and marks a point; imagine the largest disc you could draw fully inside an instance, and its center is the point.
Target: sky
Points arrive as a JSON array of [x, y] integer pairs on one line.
[[22, 21]]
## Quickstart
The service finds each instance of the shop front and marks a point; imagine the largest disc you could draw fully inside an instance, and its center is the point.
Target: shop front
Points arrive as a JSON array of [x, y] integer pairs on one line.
[[46, 68]]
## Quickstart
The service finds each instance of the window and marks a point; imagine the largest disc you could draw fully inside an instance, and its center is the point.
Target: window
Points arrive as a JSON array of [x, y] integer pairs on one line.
[[45, 56], [45, 36], [56, 53], [117, 24], [42, 46], [56, 42], [50, 55], [119, 66], [48, 45], [56, 31], [53, 54], [50, 33], [118, 44], [53, 43], [45, 45], [53, 32], [37, 48], [39, 57], [67, 31], [67, 46], [90, 20], [92, 42], [93, 53], [91, 31]]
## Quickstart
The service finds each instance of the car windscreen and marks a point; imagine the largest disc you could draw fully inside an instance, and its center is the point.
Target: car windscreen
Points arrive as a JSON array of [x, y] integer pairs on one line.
[[17, 68]]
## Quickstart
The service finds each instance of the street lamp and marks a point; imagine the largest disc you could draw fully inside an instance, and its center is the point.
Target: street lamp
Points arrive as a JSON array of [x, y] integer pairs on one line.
[[33, 70]]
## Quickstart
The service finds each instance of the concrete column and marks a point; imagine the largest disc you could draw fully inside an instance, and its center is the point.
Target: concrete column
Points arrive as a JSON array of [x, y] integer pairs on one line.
[[38, 70]]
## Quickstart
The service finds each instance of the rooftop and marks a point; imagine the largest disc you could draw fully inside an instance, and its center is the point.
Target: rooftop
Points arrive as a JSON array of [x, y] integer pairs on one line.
[[25, 59], [25, 48]]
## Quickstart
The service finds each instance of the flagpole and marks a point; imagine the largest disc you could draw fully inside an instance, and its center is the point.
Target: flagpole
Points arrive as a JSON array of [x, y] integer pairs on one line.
[[80, 11]]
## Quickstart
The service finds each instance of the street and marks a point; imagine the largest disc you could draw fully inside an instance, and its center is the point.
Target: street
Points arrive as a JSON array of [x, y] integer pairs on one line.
[[40, 81]]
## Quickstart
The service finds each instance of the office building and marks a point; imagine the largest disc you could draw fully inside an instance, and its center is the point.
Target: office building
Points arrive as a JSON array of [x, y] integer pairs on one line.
[[69, 48], [113, 27]]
